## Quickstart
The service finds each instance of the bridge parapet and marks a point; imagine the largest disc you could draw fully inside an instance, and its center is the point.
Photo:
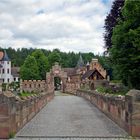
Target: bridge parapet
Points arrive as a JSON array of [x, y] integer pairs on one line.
[[124, 110], [15, 112]]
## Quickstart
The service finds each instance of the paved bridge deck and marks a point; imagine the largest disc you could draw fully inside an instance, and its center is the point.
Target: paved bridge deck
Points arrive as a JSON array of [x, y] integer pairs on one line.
[[68, 117]]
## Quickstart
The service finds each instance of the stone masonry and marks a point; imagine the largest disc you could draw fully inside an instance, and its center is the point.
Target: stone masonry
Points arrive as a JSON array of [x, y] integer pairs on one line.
[[124, 110], [16, 112]]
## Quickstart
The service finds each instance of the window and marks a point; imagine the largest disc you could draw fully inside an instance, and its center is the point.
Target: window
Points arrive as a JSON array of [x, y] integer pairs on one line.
[[7, 62], [7, 70], [14, 79], [8, 80], [2, 70], [3, 80]]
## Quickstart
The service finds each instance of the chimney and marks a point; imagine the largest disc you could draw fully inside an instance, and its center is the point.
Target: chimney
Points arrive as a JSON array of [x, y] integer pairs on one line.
[[88, 66]]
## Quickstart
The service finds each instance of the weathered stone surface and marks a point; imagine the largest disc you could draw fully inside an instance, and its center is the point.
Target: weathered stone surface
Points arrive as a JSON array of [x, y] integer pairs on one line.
[[68, 116], [15, 113], [124, 111]]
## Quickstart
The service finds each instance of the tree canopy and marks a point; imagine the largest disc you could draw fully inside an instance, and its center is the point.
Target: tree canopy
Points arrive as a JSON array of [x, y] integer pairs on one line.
[[29, 70], [125, 51], [42, 62], [111, 21]]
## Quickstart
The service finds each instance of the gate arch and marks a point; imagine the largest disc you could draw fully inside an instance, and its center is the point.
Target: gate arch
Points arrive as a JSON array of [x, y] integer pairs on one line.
[[57, 71]]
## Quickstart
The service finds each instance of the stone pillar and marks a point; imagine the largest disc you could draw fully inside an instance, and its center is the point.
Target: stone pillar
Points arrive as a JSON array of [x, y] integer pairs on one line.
[[132, 114]]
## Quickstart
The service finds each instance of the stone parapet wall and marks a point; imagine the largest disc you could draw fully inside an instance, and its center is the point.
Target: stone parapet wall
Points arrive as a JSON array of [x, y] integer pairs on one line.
[[72, 87], [124, 110], [15, 113], [33, 85]]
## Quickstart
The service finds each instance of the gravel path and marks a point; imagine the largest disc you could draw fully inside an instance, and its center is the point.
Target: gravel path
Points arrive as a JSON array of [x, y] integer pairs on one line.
[[68, 117]]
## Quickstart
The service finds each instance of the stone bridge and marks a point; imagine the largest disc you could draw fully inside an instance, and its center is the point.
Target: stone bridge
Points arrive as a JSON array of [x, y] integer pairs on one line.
[[79, 115]]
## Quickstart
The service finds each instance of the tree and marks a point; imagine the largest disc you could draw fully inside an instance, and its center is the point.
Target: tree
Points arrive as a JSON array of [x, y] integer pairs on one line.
[[53, 57], [42, 63], [125, 52], [111, 21], [29, 70]]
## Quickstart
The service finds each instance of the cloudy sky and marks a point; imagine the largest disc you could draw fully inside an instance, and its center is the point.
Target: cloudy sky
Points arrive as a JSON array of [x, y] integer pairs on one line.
[[70, 25]]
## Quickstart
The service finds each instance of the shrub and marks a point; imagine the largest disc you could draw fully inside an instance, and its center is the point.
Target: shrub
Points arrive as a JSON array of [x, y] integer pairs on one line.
[[11, 134], [113, 90]]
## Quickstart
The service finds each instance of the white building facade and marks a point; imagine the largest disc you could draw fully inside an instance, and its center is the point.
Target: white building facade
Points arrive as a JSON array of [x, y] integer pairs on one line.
[[5, 68]]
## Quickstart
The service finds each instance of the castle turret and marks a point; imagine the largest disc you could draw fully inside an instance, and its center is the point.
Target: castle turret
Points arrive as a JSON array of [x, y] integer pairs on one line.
[[80, 62]]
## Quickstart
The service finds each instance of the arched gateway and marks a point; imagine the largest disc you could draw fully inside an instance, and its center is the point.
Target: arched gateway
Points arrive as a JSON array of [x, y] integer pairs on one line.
[[57, 71]]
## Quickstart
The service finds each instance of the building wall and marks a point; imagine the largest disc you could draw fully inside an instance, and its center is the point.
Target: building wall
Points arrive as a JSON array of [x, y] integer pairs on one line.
[[95, 64], [6, 71]]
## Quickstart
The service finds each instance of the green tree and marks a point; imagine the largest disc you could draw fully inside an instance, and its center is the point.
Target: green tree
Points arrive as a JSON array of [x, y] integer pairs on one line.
[[42, 63], [29, 70], [53, 57], [125, 52]]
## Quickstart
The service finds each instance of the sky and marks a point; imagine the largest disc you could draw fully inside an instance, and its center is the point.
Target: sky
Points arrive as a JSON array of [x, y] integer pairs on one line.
[[69, 25]]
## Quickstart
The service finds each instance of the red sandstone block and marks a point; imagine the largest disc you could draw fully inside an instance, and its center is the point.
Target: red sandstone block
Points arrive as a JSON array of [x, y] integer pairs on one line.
[[3, 109], [136, 131], [4, 132]]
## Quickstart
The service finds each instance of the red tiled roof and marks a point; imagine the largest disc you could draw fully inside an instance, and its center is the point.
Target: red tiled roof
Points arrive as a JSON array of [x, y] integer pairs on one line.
[[1, 55]]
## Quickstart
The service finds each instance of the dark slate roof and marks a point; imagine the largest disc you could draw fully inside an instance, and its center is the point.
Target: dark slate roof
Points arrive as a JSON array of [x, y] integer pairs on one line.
[[70, 71], [15, 71], [80, 62], [87, 74], [0, 66], [90, 72], [5, 57]]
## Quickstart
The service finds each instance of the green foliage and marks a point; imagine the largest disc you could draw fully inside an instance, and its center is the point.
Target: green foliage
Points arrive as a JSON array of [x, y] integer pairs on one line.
[[4, 86], [113, 90], [42, 63], [29, 70], [57, 83], [11, 135], [54, 57], [14, 85], [25, 94], [125, 53]]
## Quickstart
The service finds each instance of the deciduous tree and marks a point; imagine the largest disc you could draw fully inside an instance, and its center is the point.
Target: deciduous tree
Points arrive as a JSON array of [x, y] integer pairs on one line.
[[29, 70], [125, 51]]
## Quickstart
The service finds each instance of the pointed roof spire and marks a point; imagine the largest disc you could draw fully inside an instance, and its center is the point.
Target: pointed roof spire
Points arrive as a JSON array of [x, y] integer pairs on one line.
[[5, 57], [80, 62]]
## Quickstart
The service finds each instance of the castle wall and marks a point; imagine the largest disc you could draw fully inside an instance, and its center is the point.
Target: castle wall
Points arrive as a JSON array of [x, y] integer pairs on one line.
[[33, 86]]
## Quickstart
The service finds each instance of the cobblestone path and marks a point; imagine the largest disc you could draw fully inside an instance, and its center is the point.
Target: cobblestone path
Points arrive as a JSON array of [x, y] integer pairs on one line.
[[70, 118]]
